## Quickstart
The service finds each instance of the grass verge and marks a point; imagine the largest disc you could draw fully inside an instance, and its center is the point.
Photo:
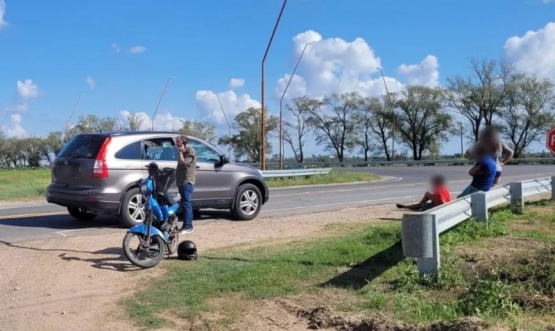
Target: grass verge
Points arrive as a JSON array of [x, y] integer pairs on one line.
[[334, 177], [18, 184], [503, 272]]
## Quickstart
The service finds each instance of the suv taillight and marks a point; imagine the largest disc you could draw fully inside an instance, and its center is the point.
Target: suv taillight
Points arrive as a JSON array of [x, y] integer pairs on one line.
[[100, 167]]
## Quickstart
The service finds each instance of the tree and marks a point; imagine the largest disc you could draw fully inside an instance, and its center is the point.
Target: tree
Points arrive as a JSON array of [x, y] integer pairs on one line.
[[479, 96], [31, 150], [296, 130], [529, 111], [202, 130], [334, 124], [375, 120], [134, 121], [420, 118], [247, 141], [52, 146], [94, 124]]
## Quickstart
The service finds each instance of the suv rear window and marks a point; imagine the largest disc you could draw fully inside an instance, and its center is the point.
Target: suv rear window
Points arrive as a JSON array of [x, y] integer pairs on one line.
[[83, 146]]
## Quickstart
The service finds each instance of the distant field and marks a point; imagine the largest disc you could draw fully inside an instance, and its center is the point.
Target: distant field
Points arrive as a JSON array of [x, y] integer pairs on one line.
[[503, 273], [334, 177], [21, 184]]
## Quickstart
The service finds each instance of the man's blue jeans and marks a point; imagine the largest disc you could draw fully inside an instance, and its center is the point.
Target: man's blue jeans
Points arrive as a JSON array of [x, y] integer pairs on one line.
[[186, 192]]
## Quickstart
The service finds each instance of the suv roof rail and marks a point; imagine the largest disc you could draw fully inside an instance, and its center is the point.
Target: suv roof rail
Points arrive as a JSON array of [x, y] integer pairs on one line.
[[128, 133]]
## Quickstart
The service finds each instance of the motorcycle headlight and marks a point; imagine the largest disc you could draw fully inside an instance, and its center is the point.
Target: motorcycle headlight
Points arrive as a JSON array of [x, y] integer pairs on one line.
[[143, 188]]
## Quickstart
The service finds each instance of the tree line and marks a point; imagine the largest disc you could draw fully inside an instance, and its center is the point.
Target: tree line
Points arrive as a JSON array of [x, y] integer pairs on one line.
[[419, 118]]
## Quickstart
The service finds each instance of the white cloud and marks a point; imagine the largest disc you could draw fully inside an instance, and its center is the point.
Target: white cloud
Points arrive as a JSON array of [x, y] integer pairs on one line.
[[548, 1], [425, 73], [236, 83], [3, 23], [232, 104], [90, 82], [162, 122], [137, 49], [27, 90], [534, 52], [335, 65], [16, 130], [115, 48]]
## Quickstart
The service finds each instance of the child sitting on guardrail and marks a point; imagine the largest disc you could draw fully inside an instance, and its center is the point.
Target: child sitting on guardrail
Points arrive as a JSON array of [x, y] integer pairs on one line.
[[483, 172], [438, 196]]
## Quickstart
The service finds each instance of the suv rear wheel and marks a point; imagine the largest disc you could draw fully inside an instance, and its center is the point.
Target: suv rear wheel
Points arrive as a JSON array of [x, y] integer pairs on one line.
[[132, 209], [248, 202], [81, 214]]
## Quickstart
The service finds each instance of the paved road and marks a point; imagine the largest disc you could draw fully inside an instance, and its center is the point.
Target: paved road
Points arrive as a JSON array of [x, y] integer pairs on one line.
[[41, 221]]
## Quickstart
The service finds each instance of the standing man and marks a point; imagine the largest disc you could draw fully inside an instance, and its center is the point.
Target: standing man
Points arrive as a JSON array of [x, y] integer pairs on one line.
[[185, 180]]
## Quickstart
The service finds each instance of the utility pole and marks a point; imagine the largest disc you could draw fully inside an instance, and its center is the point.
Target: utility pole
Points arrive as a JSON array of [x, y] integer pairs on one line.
[[462, 139], [71, 116], [263, 110], [159, 101], [4, 120], [281, 147], [392, 114], [228, 126]]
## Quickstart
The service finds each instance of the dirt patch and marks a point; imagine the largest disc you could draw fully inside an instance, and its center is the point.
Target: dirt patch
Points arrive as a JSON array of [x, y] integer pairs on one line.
[[74, 283], [293, 317]]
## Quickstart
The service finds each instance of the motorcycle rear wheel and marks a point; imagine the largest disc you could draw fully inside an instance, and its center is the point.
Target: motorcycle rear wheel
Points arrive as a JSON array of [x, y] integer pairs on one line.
[[157, 249]]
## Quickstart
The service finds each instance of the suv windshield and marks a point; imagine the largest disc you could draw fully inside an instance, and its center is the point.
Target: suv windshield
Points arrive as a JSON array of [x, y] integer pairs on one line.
[[83, 146]]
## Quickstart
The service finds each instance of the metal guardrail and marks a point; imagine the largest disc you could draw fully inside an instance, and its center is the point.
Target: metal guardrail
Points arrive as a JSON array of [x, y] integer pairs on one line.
[[375, 163], [420, 231], [294, 172]]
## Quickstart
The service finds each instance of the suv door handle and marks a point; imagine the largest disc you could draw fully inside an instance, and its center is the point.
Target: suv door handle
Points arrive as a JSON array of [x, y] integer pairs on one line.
[[198, 167]]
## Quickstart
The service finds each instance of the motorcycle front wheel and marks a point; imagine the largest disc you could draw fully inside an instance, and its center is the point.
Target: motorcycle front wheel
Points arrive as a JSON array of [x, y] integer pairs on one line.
[[135, 251], [173, 243]]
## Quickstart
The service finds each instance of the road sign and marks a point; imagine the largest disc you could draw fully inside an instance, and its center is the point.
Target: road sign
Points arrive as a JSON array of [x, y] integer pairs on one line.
[[551, 140]]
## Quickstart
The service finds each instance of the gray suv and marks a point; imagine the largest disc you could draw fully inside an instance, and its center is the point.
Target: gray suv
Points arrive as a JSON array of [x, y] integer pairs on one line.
[[98, 173]]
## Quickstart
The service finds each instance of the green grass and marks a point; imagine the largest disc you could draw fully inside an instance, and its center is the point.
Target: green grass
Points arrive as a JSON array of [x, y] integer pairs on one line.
[[18, 184], [363, 271], [334, 177]]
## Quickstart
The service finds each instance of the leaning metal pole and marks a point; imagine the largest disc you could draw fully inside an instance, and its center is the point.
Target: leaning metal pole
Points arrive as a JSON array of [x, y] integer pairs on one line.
[[263, 110], [281, 147], [228, 126], [392, 114]]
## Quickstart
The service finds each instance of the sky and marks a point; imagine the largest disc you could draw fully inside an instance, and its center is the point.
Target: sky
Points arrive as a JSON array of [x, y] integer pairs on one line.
[[116, 56]]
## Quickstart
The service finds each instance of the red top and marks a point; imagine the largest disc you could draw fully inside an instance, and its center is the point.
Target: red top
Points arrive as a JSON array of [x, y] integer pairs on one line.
[[441, 196]]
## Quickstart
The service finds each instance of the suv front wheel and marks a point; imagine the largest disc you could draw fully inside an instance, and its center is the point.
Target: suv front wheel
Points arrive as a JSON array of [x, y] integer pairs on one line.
[[248, 202], [132, 209]]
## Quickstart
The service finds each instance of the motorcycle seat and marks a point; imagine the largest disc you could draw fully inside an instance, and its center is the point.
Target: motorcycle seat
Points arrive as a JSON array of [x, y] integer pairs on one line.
[[170, 197]]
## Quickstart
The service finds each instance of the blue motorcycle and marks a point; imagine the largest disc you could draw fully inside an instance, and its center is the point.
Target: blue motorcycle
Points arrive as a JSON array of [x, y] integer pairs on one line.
[[159, 232]]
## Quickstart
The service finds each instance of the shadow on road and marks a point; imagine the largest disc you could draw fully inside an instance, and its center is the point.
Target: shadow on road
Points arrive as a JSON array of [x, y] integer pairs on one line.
[[59, 222], [66, 222], [365, 272], [117, 262]]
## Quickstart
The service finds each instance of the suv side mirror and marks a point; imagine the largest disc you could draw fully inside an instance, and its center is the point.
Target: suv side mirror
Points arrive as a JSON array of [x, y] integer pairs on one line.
[[224, 159]]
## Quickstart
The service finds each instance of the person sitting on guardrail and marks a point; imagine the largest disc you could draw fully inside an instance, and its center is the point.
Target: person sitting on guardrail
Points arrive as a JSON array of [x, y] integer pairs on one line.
[[483, 172], [438, 195], [501, 153]]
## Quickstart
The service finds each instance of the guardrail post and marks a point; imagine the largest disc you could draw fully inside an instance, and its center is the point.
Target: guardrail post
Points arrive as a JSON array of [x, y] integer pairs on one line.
[[479, 206], [517, 197], [420, 239], [553, 188]]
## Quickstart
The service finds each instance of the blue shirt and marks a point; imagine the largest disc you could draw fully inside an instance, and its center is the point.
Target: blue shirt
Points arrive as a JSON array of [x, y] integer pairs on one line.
[[483, 180]]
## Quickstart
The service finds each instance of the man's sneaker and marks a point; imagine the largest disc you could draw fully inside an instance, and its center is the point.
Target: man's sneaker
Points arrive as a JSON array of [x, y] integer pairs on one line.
[[186, 231]]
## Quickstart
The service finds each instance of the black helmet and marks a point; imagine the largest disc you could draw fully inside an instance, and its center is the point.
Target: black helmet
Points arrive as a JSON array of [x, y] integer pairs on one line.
[[187, 250]]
